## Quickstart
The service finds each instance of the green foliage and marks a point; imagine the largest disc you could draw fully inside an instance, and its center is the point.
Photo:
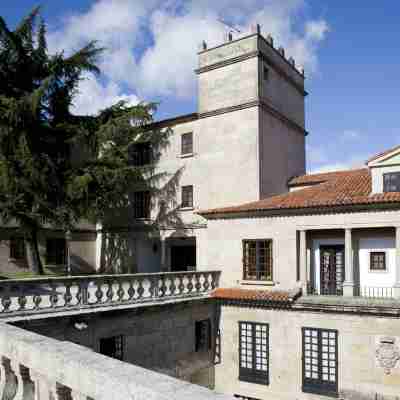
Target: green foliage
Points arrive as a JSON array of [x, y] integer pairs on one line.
[[55, 165]]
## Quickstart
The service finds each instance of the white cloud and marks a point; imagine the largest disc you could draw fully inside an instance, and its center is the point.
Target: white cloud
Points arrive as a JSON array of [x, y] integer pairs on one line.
[[152, 44], [94, 96]]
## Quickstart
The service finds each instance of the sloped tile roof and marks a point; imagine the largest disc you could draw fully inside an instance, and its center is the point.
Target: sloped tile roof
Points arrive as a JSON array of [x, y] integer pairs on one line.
[[333, 189], [384, 153], [264, 296]]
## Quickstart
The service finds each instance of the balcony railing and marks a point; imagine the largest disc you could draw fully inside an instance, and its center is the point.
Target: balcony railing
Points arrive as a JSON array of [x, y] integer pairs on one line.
[[29, 296], [36, 367], [373, 292]]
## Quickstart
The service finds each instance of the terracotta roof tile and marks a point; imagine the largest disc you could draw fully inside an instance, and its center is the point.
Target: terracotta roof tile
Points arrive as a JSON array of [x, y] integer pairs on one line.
[[342, 188], [269, 296]]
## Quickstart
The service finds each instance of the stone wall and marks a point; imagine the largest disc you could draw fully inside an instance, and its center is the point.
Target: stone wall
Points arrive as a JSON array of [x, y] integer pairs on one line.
[[160, 338], [360, 374]]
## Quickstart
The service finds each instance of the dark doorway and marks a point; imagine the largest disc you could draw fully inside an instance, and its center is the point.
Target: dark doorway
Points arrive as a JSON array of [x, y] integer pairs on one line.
[[332, 270], [183, 258]]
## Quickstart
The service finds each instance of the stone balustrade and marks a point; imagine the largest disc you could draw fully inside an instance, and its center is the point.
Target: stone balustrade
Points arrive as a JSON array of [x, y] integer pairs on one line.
[[36, 367], [30, 296]]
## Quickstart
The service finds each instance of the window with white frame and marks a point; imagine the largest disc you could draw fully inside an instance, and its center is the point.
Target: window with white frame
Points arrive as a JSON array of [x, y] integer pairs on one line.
[[377, 261], [320, 361], [254, 352]]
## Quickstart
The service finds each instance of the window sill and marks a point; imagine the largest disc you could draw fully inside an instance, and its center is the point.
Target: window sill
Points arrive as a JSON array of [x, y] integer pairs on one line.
[[187, 155], [186, 208], [257, 283]]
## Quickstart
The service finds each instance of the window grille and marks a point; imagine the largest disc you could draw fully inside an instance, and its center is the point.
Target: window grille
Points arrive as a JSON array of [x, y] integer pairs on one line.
[[112, 347], [391, 182], [56, 250], [141, 206], [187, 143], [377, 261], [203, 335], [254, 352], [187, 196], [257, 260], [17, 248], [320, 361]]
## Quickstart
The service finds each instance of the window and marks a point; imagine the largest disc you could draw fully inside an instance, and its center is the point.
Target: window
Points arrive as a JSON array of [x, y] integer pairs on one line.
[[253, 352], [187, 196], [55, 252], [391, 182], [257, 260], [141, 206], [141, 154], [320, 361], [17, 248], [203, 335], [377, 261], [266, 74], [187, 143], [112, 347]]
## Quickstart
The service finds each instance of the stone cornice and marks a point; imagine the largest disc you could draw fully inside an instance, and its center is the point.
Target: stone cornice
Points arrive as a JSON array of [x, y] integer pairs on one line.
[[248, 56], [255, 103]]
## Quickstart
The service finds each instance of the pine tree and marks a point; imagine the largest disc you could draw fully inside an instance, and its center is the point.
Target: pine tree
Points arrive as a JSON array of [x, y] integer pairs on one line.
[[56, 166]]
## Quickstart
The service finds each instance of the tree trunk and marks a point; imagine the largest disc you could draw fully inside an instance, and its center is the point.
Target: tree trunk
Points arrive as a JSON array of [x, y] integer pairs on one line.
[[32, 252]]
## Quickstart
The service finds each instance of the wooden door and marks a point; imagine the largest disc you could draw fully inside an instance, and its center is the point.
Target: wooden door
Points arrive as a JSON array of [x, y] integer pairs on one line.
[[332, 270]]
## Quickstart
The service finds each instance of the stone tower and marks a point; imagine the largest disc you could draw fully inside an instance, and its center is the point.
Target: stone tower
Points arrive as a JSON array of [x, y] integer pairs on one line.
[[248, 86]]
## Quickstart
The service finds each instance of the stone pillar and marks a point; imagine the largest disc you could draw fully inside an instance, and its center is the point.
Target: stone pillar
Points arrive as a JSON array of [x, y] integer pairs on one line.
[[397, 271], [348, 284], [303, 261], [164, 267]]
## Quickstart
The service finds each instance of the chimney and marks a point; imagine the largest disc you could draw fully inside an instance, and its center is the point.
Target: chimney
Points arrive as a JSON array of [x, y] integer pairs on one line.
[[203, 45], [230, 37], [281, 51], [292, 62], [270, 40]]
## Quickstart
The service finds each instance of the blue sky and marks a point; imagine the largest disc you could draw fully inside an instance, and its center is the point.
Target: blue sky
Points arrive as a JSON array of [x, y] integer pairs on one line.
[[349, 50]]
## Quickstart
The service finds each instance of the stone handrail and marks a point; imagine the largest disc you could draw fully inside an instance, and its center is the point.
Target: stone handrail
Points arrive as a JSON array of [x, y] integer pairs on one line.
[[36, 367], [30, 296]]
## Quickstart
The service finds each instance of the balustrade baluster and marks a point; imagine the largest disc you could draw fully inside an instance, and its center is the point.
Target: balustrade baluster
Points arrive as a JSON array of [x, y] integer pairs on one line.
[[121, 290], [206, 284], [6, 298], [67, 294], [181, 285], [163, 287], [63, 392], [197, 285], [110, 290], [140, 289], [190, 283], [53, 295], [172, 286], [25, 386], [8, 387], [131, 290], [99, 291], [22, 300]]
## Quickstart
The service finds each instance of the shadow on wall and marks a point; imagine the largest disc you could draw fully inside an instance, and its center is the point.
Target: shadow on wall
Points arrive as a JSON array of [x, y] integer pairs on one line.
[[121, 227]]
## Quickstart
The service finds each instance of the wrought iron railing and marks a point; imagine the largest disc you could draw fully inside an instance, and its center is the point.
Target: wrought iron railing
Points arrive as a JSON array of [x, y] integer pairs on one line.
[[375, 292], [40, 295]]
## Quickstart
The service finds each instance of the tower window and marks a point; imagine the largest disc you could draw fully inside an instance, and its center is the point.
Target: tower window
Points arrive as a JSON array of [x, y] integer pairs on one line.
[[187, 143], [187, 196]]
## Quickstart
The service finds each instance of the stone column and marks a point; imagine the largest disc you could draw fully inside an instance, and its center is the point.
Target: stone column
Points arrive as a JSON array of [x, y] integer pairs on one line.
[[163, 255], [303, 261], [397, 271], [348, 284]]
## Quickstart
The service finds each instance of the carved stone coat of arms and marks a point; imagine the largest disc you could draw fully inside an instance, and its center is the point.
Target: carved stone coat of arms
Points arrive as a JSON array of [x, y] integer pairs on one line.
[[387, 353]]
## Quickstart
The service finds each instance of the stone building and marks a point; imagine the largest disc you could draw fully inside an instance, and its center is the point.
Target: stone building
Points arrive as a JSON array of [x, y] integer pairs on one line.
[[310, 283]]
